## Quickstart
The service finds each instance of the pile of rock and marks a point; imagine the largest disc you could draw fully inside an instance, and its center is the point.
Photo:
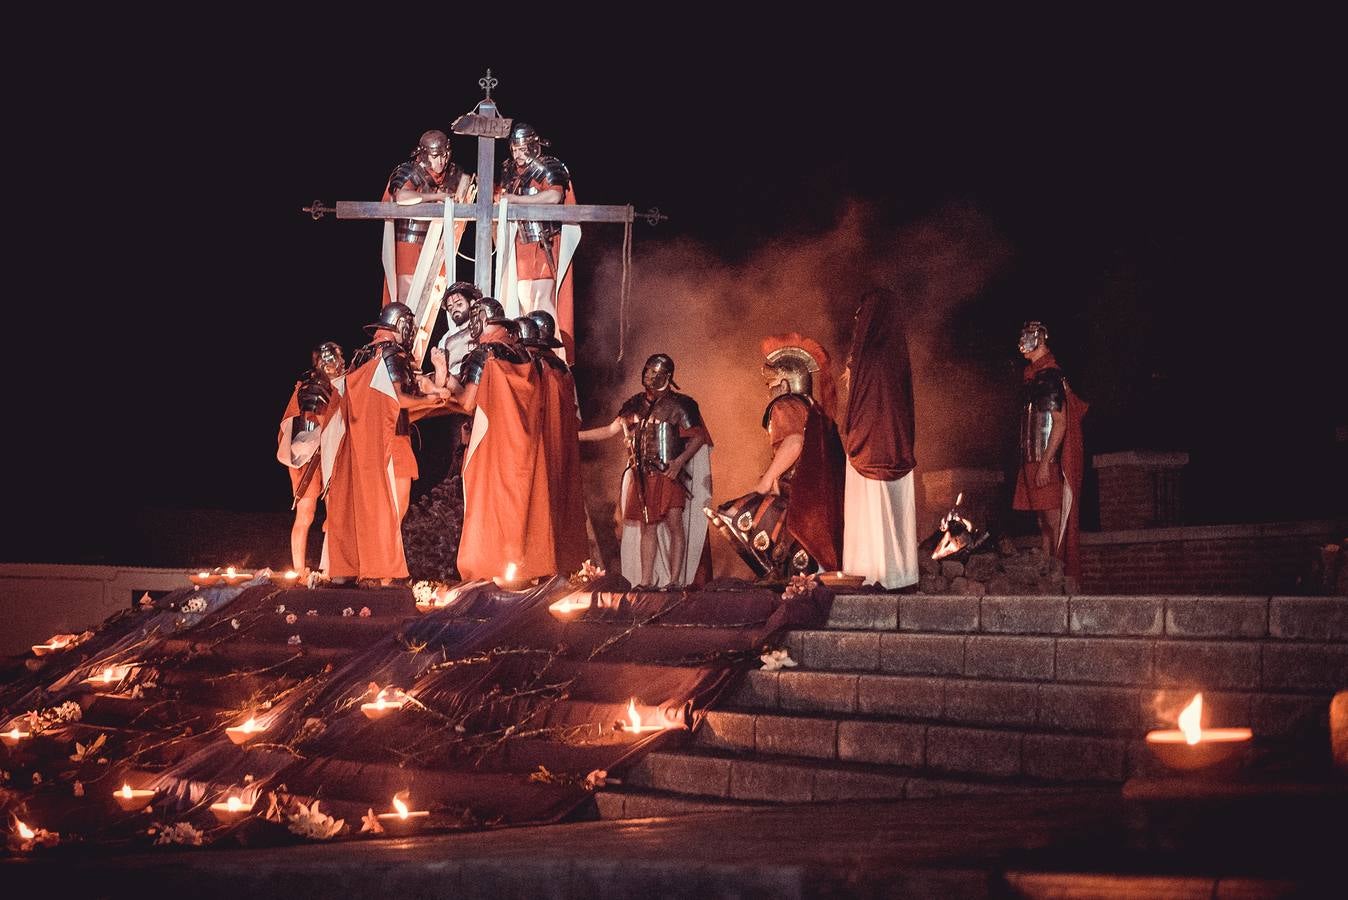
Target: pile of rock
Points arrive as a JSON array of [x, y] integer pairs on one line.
[[1002, 568]]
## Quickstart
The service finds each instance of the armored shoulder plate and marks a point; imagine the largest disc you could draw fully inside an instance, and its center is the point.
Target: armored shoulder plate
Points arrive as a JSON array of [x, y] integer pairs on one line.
[[470, 371], [767, 412], [687, 406], [633, 408], [406, 172], [551, 360], [551, 170], [315, 391], [399, 364]]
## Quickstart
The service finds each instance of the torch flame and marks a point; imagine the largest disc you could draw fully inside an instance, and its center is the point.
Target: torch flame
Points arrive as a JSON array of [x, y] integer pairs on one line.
[[632, 714], [24, 831], [400, 806], [234, 804], [960, 498], [1189, 720], [126, 790]]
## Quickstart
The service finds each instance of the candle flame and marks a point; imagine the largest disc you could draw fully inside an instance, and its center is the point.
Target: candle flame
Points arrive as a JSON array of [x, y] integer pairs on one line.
[[292, 574], [510, 572], [107, 674], [959, 499], [234, 804], [230, 572], [400, 806], [632, 714], [24, 831], [203, 574], [126, 790], [15, 733], [1189, 720]]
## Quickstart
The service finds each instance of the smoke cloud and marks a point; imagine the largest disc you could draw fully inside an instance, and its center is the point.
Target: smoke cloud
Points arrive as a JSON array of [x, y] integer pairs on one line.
[[710, 316]]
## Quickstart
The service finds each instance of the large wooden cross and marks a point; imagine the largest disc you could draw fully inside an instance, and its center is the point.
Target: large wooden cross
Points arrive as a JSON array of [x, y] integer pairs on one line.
[[488, 126]]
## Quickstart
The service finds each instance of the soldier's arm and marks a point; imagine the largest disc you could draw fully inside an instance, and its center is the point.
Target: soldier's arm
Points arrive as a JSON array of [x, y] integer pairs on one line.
[[788, 451], [551, 195], [612, 429], [1055, 438], [695, 443]]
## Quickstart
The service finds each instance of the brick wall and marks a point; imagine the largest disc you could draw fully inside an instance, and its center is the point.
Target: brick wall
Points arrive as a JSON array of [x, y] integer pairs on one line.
[[1140, 489], [1206, 560]]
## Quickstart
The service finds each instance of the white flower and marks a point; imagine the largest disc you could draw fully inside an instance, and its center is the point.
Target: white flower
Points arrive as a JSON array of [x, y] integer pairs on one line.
[[195, 605], [348, 612], [180, 833], [313, 823], [312, 612], [234, 623], [281, 608], [294, 640], [777, 659], [423, 592]]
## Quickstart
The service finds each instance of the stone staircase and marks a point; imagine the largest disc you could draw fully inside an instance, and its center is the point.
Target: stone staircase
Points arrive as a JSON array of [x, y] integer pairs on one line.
[[917, 696]]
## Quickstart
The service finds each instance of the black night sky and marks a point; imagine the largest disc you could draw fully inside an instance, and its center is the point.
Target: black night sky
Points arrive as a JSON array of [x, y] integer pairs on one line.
[[1162, 190]]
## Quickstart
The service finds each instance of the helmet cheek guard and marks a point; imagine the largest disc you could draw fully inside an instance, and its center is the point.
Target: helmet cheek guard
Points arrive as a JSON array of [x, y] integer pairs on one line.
[[1032, 337]]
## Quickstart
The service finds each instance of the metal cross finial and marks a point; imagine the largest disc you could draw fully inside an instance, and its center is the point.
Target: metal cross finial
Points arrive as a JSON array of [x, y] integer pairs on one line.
[[487, 83]]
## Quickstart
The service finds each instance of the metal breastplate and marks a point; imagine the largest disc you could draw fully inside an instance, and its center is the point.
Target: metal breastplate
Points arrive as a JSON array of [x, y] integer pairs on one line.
[[413, 231], [1044, 395], [551, 173], [655, 434]]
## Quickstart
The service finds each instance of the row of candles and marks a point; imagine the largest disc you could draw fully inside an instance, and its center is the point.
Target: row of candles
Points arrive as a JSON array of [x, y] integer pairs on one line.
[[232, 575]]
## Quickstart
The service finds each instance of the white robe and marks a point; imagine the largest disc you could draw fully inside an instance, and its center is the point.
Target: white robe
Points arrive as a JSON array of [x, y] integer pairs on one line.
[[880, 530]]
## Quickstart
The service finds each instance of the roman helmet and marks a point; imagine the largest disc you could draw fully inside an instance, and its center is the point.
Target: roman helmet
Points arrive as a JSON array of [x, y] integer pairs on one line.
[[658, 372], [328, 359], [399, 319], [1032, 335]]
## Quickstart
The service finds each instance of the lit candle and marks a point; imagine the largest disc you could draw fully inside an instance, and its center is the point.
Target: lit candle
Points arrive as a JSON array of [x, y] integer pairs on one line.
[[231, 810], [240, 734], [402, 820], [570, 606], [109, 675], [13, 736], [204, 579], [508, 580], [387, 700], [634, 720], [129, 798], [59, 642], [1191, 746]]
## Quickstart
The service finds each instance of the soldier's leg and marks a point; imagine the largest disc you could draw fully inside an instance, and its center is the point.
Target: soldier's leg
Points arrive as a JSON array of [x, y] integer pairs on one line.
[[650, 543], [304, 518], [678, 545]]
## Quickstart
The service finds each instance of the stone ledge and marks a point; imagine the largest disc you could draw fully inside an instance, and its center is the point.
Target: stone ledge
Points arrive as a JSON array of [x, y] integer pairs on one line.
[[1180, 533], [1143, 459]]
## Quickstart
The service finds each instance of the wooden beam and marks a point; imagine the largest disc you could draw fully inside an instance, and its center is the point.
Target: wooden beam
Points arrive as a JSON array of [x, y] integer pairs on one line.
[[537, 212]]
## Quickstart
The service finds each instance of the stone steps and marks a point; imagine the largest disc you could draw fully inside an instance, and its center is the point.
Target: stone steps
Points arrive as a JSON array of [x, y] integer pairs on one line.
[[1119, 710], [901, 696], [721, 775], [1247, 665], [1198, 618]]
